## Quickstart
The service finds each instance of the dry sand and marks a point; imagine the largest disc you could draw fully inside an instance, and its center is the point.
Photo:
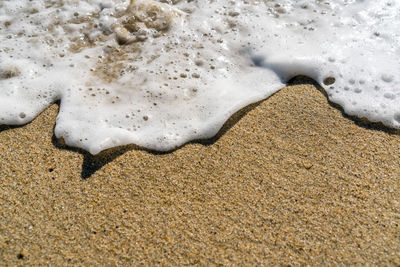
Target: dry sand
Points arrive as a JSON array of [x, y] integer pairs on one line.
[[289, 181]]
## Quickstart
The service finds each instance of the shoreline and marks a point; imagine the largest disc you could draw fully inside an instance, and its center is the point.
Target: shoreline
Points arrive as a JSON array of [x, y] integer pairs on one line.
[[289, 180]]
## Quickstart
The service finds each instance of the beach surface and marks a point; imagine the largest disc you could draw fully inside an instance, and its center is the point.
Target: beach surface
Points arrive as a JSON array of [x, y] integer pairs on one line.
[[288, 181]]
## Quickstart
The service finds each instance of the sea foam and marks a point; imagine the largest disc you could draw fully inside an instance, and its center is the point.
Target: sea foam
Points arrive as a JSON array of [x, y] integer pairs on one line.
[[161, 73]]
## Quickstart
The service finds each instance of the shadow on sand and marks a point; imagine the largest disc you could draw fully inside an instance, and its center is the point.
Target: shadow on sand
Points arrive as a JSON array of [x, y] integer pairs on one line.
[[361, 122], [9, 127], [92, 163]]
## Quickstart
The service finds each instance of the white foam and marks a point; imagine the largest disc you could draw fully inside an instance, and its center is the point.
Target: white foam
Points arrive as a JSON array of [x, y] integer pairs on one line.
[[161, 73]]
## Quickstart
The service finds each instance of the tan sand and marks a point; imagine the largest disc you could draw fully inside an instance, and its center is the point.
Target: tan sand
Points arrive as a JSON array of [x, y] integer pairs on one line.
[[289, 181]]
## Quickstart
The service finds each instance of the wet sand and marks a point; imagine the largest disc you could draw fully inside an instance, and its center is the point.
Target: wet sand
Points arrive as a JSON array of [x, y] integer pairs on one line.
[[290, 180]]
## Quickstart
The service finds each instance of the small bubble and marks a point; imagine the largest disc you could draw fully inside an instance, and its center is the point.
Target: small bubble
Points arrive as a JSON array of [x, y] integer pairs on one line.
[[390, 96], [22, 115], [146, 118], [387, 78], [329, 80]]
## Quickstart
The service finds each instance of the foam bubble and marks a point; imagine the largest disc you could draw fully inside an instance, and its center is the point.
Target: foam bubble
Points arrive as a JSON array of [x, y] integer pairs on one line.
[[161, 73]]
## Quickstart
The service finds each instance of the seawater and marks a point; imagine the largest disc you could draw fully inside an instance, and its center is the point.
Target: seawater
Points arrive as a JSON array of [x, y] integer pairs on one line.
[[161, 73]]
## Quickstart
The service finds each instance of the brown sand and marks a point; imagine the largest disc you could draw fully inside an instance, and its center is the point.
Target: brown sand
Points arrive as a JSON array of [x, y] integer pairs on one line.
[[292, 181]]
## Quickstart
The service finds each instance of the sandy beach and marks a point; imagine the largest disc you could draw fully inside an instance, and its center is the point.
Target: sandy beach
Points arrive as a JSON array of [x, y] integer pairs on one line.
[[288, 181]]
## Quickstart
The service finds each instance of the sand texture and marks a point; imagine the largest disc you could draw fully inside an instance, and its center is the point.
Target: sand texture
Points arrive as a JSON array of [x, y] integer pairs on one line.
[[290, 180]]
